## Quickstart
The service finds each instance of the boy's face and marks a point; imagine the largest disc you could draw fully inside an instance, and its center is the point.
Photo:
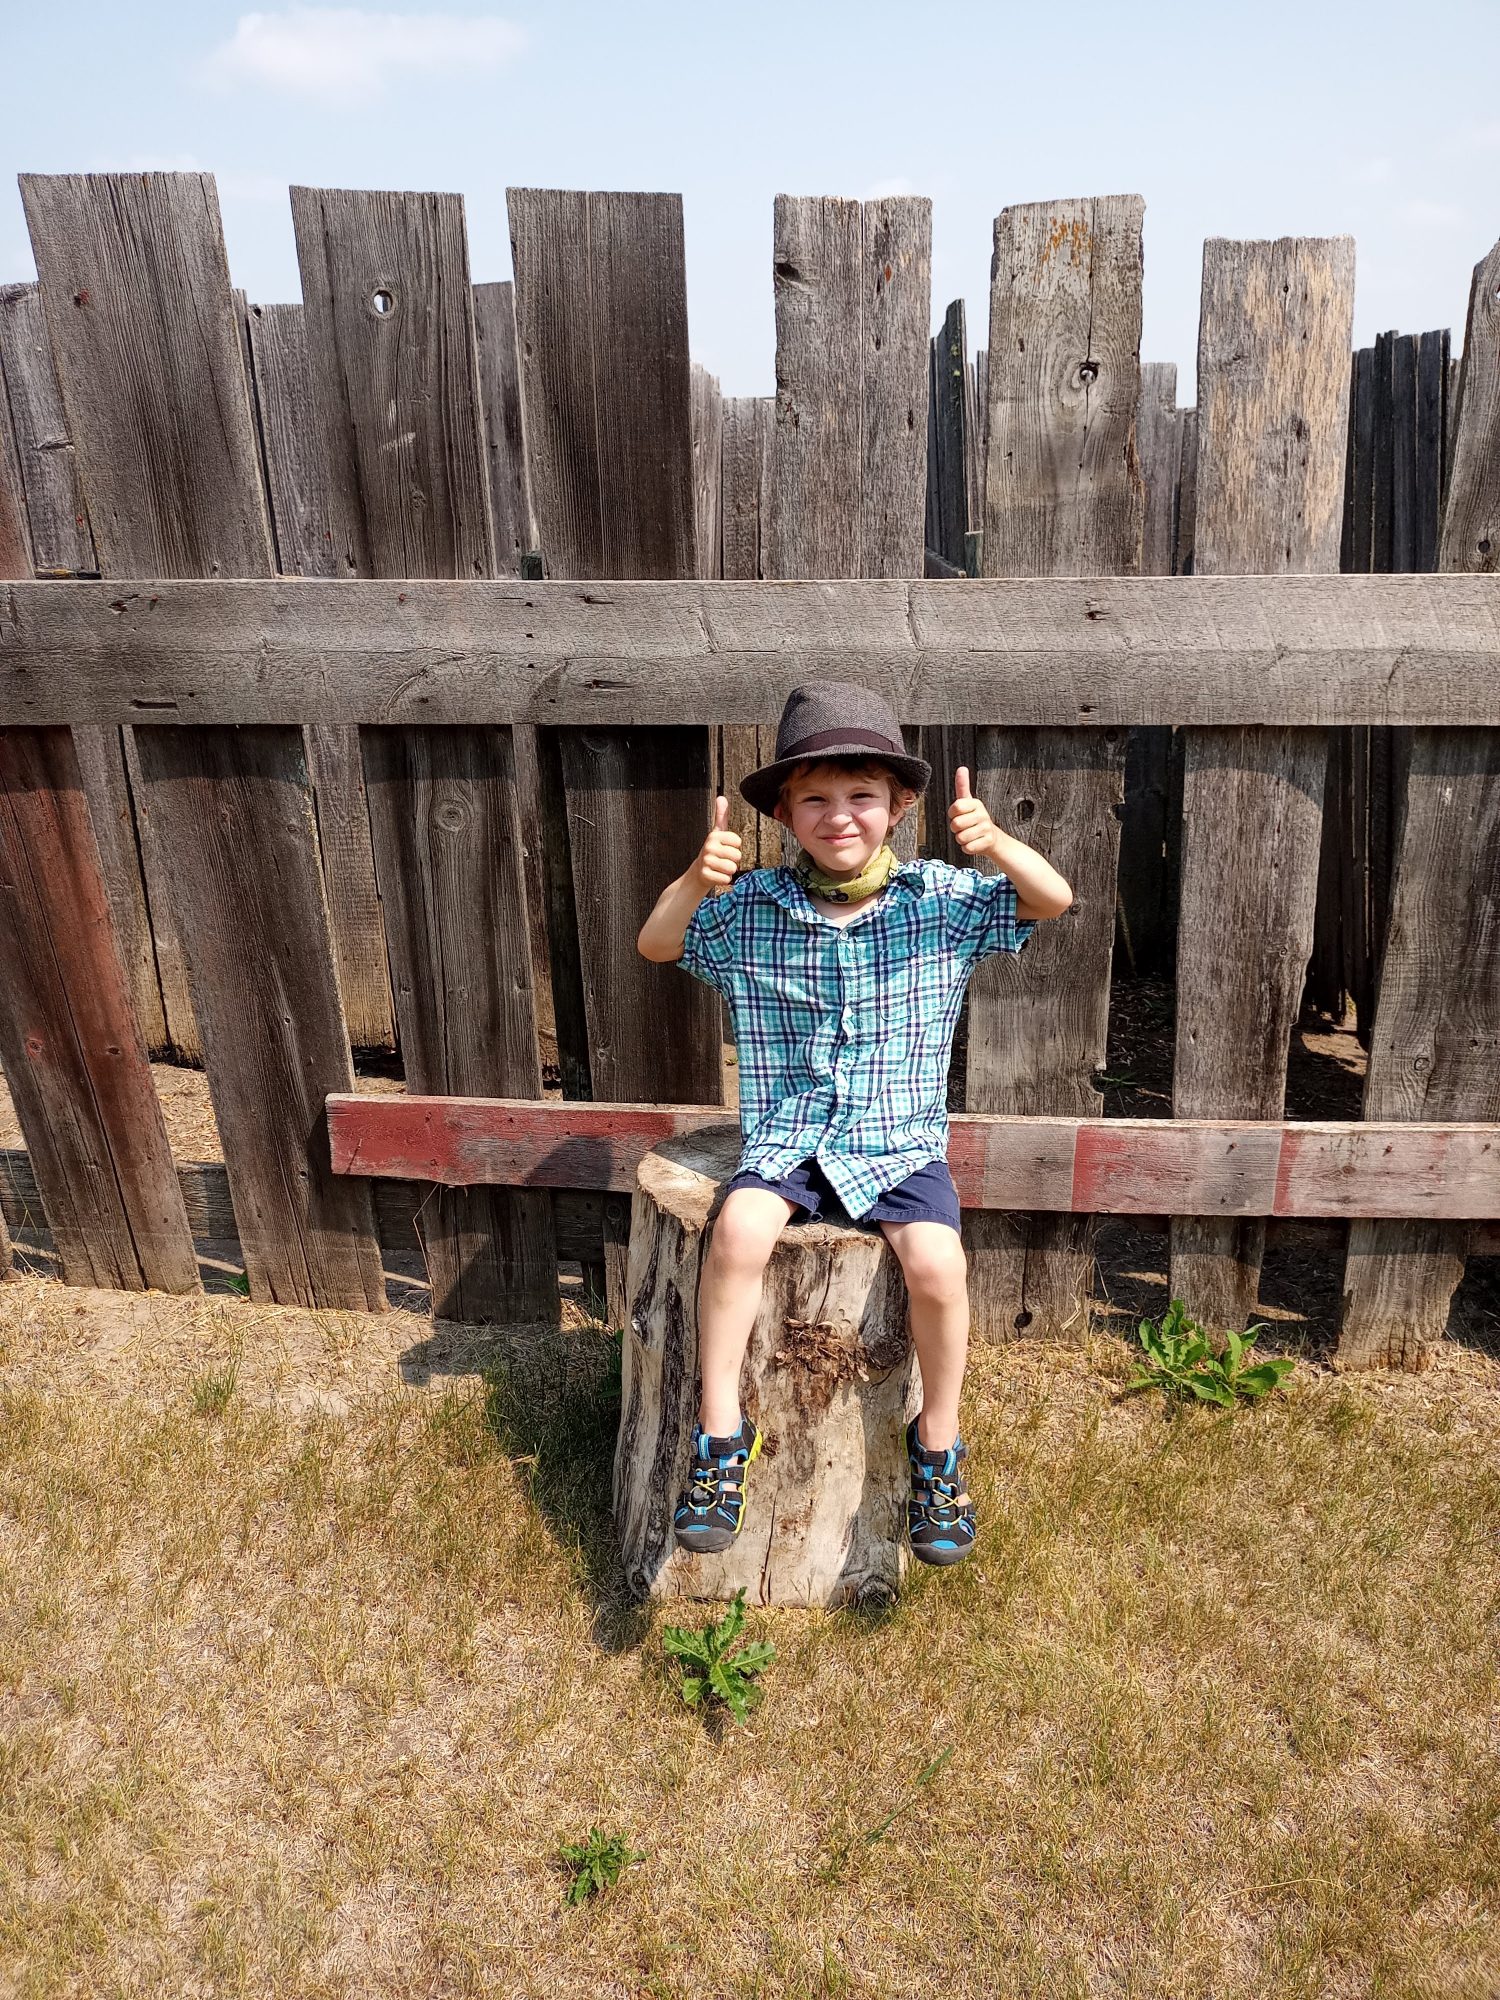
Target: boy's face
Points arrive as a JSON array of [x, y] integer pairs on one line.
[[841, 817]]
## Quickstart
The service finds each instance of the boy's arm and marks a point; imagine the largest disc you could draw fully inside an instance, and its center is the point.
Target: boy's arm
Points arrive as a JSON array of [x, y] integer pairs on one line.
[[664, 931], [1040, 890]]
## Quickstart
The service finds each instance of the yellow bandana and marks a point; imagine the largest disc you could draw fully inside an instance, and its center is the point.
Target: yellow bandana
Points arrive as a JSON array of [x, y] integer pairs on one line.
[[871, 878]]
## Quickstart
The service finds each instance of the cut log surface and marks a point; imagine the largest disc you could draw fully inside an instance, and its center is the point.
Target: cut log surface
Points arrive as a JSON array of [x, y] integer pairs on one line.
[[830, 1380]]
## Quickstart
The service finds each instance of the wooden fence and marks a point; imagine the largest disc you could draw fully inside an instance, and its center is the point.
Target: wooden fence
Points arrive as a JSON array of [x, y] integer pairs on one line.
[[547, 600]]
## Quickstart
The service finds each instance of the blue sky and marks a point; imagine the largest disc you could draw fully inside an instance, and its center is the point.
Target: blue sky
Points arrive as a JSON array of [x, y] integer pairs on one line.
[[1230, 120]]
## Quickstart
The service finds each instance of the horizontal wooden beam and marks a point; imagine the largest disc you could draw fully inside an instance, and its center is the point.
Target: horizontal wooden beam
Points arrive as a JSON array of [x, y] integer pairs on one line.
[[1097, 652], [1105, 1166]]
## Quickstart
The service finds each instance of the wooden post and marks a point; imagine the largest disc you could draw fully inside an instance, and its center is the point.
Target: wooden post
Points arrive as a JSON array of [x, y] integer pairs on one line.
[[385, 280], [829, 1380], [172, 495], [1064, 497], [1435, 1045], [1273, 396]]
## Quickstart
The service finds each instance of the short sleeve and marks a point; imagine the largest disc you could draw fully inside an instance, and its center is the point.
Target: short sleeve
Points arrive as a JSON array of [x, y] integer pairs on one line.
[[984, 915], [708, 944]]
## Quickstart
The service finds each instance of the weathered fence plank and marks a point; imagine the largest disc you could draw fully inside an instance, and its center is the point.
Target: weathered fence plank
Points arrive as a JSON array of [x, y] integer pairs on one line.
[[1436, 1036], [53, 530], [443, 806], [1273, 397], [301, 520], [505, 444], [1064, 498], [390, 317], [748, 422], [235, 808], [229, 810], [949, 518], [1095, 651], [74, 1056], [601, 317], [708, 453]]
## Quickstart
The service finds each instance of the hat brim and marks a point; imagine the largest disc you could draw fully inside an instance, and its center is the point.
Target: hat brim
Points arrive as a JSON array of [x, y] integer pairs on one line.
[[762, 788]]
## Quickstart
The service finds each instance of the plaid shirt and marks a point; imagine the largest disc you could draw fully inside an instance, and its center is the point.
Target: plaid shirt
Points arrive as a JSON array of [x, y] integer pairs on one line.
[[844, 1032]]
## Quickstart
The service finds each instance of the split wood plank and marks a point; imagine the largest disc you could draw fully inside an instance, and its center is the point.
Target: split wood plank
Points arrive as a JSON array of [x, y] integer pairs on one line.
[[708, 452], [1273, 404], [74, 1056], [301, 521], [54, 515], [230, 810], [748, 424], [1115, 1166], [1064, 498], [444, 808], [1436, 1036], [515, 543], [601, 321], [845, 482], [1091, 652], [949, 516], [505, 444], [398, 415], [235, 807]]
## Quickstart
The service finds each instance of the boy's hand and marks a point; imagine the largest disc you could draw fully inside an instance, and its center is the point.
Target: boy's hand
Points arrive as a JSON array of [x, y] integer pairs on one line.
[[720, 854], [968, 817]]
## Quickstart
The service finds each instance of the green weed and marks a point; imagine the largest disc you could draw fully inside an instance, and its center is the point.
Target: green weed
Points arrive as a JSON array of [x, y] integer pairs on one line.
[[596, 1863], [715, 1666], [1181, 1361], [211, 1392]]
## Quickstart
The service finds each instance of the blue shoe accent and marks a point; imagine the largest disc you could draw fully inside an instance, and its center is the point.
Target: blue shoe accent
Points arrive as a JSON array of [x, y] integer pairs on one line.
[[711, 1512], [940, 1522]]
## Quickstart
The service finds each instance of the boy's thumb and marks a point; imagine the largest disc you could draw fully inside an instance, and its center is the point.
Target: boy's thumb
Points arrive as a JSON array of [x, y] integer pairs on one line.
[[961, 783], [721, 815]]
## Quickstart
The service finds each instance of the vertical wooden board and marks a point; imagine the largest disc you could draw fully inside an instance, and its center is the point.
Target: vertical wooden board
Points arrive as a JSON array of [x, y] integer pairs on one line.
[[260, 962], [1143, 915], [1187, 496], [505, 445], [1432, 410], [747, 424], [1273, 400], [549, 248], [46, 464], [1404, 454], [896, 310], [443, 809], [1382, 455], [169, 492], [1064, 491], [54, 513], [398, 403], [74, 1057], [811, 511], [1435, 1047], [952, 446], [302, 524], [390, 333], [708, 452], [1064, 497]]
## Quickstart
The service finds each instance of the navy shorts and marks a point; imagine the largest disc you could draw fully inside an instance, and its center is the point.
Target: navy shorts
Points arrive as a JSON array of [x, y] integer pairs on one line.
[[928, 1195]]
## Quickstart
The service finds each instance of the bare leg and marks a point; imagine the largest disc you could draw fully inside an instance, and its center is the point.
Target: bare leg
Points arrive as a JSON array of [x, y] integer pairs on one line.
[[936, 1271], [729, 1293]]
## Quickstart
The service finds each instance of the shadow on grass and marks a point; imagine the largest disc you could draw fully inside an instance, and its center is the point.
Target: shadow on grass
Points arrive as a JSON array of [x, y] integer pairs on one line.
[[552, 1403]]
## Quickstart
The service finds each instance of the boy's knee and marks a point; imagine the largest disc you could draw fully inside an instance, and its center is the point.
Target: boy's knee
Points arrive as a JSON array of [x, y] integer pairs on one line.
[[747, 1228], [934, 1260]]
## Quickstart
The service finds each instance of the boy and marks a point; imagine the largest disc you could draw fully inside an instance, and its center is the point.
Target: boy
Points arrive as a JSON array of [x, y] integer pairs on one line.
[[844, 974]]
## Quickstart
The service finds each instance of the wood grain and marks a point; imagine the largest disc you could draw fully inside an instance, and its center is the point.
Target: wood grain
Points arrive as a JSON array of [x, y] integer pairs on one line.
[[394, 364], [73, 1053], [1436, 1036], [1064, 497], [448, 839], [301, 519], [505, 444], [1273, 397]]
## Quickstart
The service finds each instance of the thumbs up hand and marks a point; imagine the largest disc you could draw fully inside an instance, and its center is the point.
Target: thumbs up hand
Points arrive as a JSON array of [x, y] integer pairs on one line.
[[719, 856], [968, 817]]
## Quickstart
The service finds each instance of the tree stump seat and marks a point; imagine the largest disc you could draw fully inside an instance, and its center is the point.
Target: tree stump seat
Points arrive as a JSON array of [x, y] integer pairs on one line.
[[830, 1379]]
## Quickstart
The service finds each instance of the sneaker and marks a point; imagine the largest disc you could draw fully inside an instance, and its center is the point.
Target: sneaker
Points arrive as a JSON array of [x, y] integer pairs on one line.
[[940, 1520], [712, 1510]]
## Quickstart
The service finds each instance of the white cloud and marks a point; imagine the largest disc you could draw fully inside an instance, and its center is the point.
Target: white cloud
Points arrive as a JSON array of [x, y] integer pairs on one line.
[[349, 53], [1428, 214]]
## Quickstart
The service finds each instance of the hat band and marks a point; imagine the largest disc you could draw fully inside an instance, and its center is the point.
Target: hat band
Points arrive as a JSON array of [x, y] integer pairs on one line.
[[821, 738]]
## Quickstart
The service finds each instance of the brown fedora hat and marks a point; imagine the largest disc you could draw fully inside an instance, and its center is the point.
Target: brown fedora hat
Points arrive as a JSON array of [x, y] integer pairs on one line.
[[833, 719]]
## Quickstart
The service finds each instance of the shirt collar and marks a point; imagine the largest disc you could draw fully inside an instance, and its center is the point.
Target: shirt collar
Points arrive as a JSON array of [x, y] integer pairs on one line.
[[786, 890]]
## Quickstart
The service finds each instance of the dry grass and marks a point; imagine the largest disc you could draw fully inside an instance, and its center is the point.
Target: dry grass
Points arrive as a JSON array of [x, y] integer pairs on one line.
[[312, 1651]]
